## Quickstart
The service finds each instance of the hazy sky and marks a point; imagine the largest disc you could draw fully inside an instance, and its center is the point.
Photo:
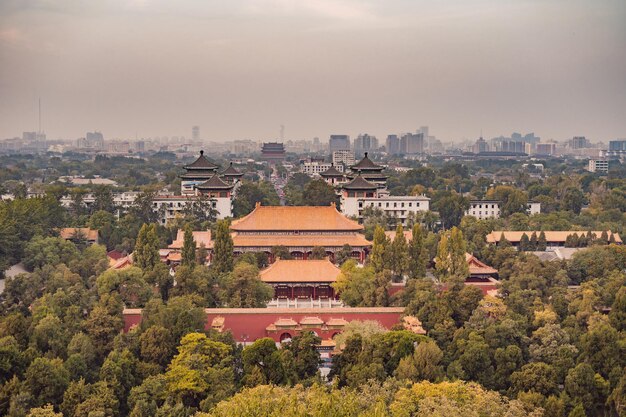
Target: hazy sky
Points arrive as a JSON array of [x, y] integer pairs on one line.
[[241, 68]]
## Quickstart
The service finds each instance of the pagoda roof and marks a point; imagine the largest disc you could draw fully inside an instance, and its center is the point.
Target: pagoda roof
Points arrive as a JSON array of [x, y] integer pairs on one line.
[[202, 163], [214, 183], [359, 183], [477, 267], [198, 175], [231, 171], [366, 164], [300, 271], [332, 172], [294, 218]]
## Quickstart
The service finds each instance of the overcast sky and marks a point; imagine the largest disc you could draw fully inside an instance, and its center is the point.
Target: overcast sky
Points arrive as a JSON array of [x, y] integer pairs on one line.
[[241, 68]]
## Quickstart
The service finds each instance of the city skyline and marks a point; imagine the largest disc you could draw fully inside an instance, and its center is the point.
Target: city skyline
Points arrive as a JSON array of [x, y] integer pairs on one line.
[[243, 69]]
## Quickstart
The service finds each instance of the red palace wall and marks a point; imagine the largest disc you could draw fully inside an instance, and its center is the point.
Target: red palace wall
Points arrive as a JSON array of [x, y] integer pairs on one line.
[[248, 325]]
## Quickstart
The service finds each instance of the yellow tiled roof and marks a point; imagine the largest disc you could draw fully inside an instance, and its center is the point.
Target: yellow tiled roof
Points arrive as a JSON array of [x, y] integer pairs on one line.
[[198, 236], [478, 267], [300, 271], [71, 232], [292, 218]]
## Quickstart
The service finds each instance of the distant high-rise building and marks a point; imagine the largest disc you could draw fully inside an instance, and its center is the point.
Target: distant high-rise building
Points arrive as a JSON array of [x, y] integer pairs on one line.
[[29, 136], [365, 142], [617, 145], [412, 143], [579, 142], [481, 145], [94, 140], [339, 143], [545, 149], [392, 144], [195, 133]]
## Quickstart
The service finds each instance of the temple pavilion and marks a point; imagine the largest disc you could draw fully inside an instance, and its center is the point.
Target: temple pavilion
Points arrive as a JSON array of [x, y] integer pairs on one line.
[[299, 229], [301, 280]]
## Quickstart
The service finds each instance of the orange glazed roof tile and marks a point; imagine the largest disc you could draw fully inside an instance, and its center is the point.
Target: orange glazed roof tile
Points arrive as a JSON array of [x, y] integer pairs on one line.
[[408, 235], [328, 241], [311, 321], [198, 236], [477, 267], [336, 322], [551, 236], [300, 271], [285, 323], [72, 232], [295, 218]]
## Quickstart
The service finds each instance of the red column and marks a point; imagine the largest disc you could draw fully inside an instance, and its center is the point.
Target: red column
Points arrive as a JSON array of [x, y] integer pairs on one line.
[[362, 256], [314, 292], [292, 292]]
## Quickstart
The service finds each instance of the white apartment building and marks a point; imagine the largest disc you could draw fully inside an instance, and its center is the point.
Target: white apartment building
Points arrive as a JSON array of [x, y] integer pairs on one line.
[[601, 166], [395, 206], [316, 167], [343, 158], [485, 209], [172, 206]]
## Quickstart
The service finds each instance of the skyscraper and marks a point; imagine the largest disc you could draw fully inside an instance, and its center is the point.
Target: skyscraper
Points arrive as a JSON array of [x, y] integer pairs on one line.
[[339, 143], [195, 133], [412, 143], [392, 144], [579, 142]]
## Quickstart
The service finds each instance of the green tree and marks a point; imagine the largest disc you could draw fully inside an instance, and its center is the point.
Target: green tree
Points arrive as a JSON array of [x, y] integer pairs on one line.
[[417, 254], [524, 243], [222, 249], [281, 252], [242, 288], [542, 243], [573, 200], [188, 256], [379, 256], [251, 193], [537, 377], [199, 374], [343, 255], [318, 193], [146, 253], [424, 364], [362, 287], [42, 251], [262, 364], [586, 387], [46, 380], [318, 252], [303, 359], [451, 208], [45, 411], [399, 255], [450, 263]]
